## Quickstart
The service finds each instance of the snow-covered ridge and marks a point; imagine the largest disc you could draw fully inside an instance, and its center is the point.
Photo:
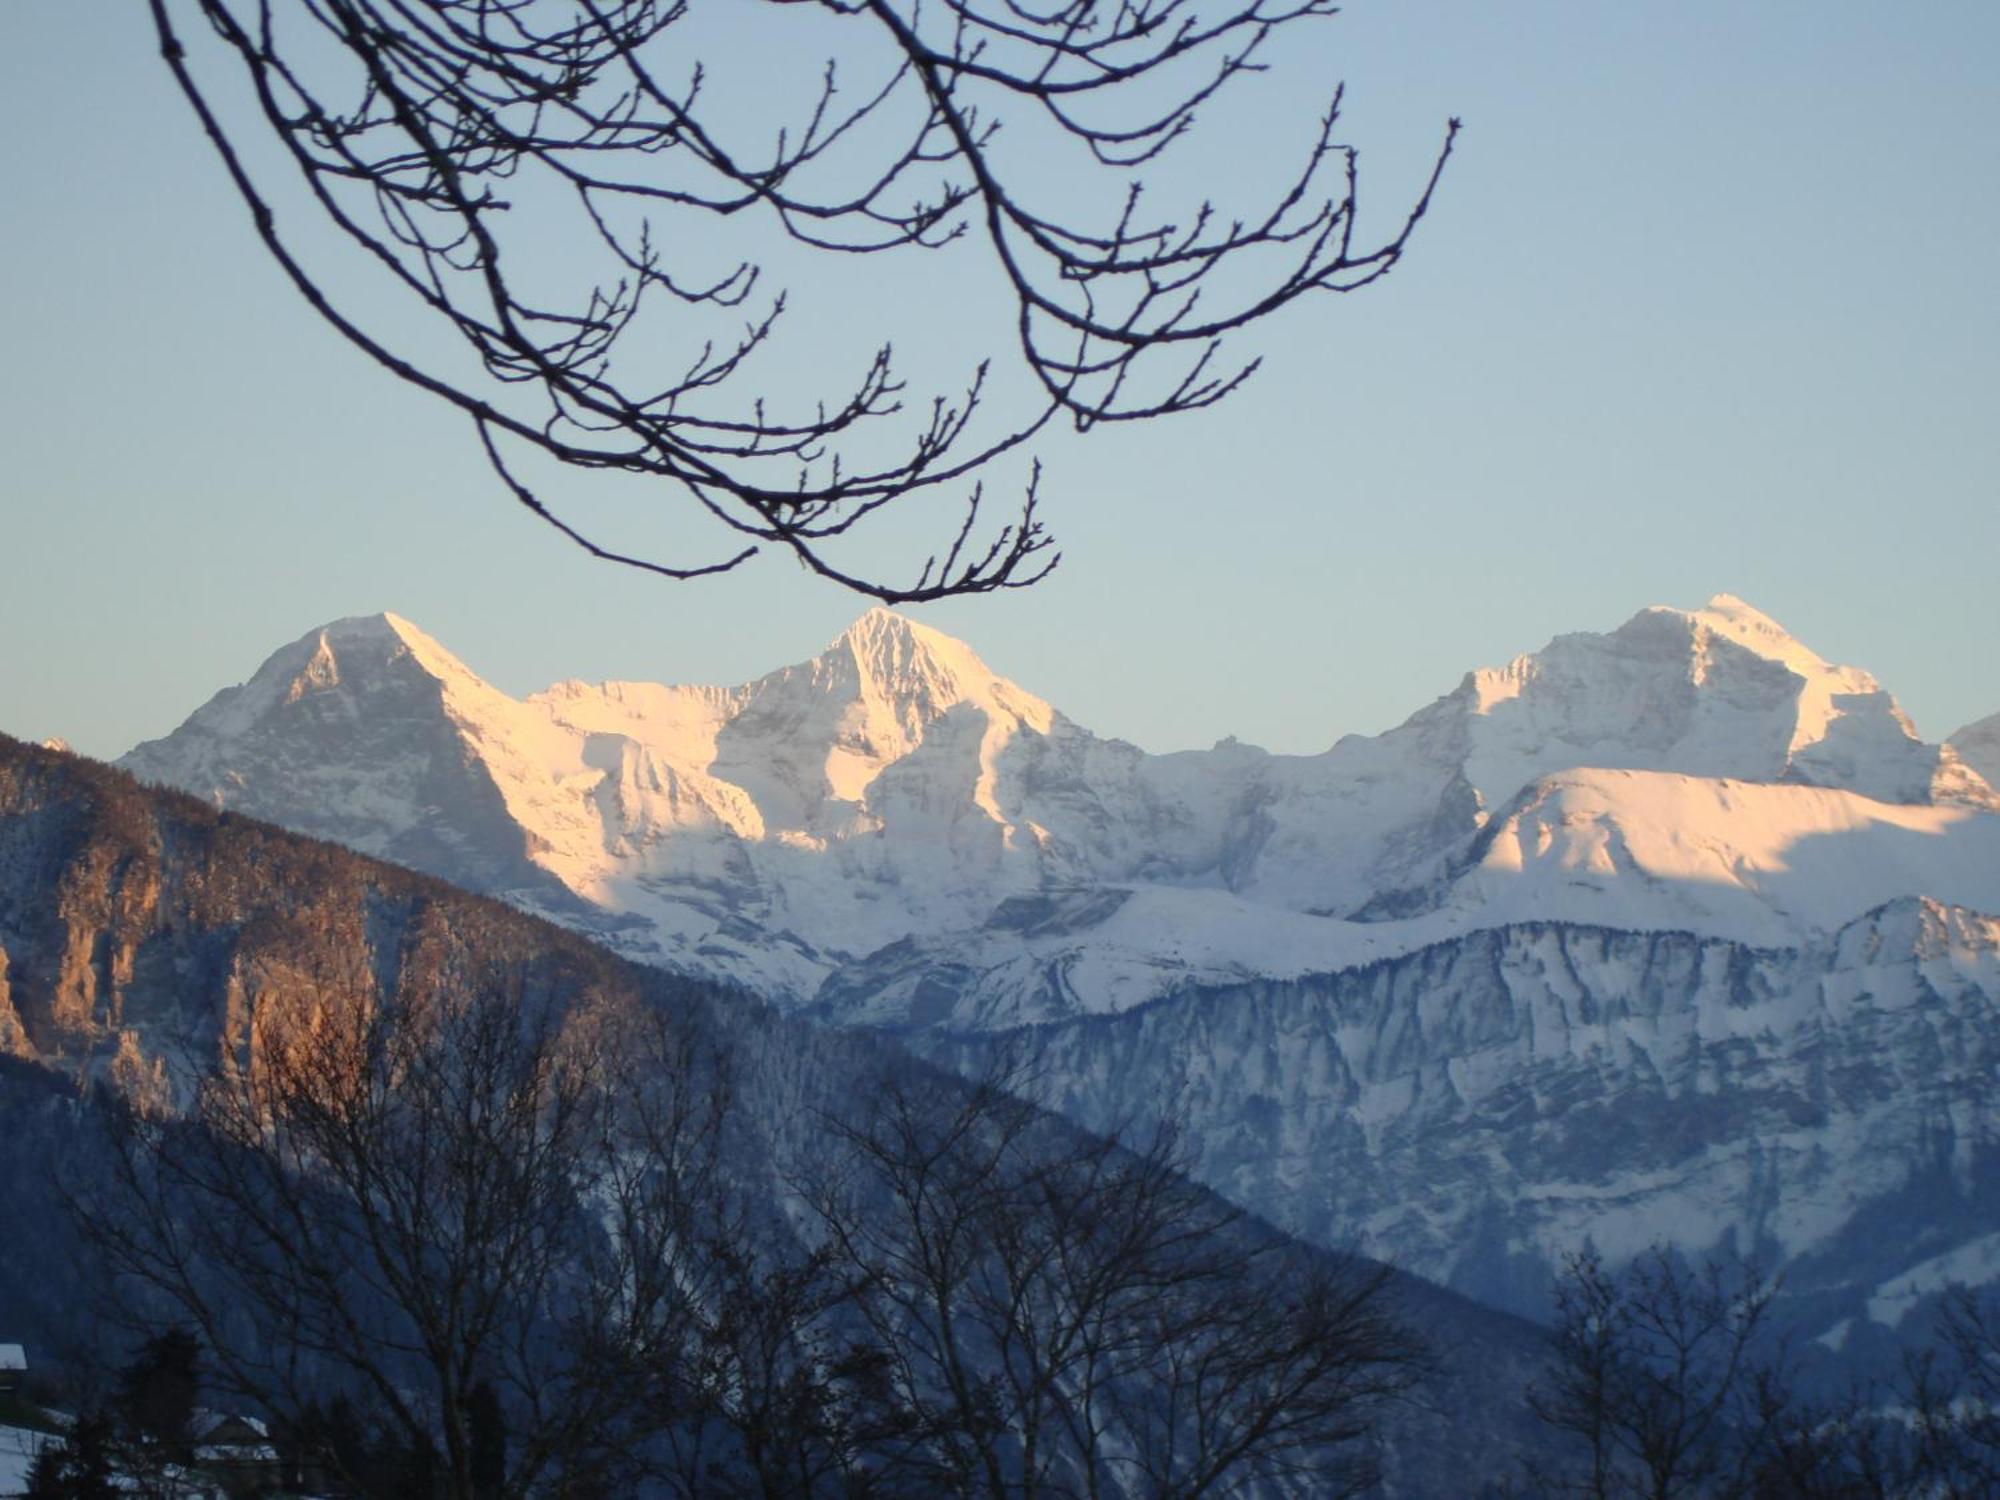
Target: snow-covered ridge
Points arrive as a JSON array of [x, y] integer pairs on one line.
[[866, 828], [1475, 1109]]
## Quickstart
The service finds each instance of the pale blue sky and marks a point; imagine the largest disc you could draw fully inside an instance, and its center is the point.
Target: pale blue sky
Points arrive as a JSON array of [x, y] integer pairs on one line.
[[1706, 302]]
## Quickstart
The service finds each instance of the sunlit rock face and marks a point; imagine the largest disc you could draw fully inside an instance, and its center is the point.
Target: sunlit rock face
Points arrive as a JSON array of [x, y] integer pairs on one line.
[[892, 833]]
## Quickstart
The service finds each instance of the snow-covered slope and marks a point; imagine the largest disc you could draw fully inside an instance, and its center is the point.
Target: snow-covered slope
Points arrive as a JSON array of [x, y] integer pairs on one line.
[[893, 832], [1675, 931], [369, 733], [1758, 863], [1476, 1109], [1978, 746]]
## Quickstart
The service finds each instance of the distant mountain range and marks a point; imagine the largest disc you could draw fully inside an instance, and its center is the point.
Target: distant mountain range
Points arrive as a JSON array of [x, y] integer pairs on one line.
[[147, 940], [891, 833], [1672, 933]]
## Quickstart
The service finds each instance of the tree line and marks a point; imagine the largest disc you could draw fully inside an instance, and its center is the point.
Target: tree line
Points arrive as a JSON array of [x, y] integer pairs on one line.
[[1666, 1382], [484, 1239], [481, 1241]]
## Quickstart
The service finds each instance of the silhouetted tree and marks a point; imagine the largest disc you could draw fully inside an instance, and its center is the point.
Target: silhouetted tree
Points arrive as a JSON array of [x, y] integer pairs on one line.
[[1668, 1383], [1952, 1393], [1067, 1315], [487, 1435], [466, 1206], [79, 1467], [790, 1396], [158, 1392], [555, 183], [1653, 1376]]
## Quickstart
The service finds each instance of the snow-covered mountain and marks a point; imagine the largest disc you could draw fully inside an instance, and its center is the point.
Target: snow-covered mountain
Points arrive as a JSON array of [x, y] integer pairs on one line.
[[146, 941], [1473, 1110], [1676, 931], [891, 832]]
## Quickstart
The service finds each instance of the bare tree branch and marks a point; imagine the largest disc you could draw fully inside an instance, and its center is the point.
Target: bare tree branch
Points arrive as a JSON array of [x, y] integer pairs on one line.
[[450, 141]]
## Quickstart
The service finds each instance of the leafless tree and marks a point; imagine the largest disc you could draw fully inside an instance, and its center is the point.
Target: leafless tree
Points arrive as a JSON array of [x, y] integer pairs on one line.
[[404, 1198], [453, 142], [1668, 1383], [1952, 1397], [1654, 1374], [793, 1399], [1068, 1316]]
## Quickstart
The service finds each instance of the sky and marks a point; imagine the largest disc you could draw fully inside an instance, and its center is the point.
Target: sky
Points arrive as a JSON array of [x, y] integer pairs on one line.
[[1704, 304]]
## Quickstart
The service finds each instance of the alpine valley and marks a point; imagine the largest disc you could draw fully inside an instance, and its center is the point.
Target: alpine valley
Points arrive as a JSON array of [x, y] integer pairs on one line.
[[1676, 932]]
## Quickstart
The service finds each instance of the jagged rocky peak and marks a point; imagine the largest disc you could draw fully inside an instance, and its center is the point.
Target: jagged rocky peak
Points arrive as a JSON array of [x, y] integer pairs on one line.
[[323, 675], [368, 732], [1723, 690], [878, 686], [1657, 662], [810, 740], [918, 673]]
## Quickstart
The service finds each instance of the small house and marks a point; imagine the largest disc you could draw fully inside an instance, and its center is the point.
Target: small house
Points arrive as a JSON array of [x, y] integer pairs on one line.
[[13, 1369], [236, 1452]]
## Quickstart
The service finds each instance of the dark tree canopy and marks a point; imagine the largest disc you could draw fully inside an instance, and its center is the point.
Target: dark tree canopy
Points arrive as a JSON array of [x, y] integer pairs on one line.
[[466, 147], [159, 1389]]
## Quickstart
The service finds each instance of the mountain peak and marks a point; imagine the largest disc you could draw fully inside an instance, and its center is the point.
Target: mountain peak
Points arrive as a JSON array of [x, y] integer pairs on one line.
[[1733, 619], [359, 731], [380, 625], [911, 666], [392, 634], [879, 630], [326, 675], [1723, 690]]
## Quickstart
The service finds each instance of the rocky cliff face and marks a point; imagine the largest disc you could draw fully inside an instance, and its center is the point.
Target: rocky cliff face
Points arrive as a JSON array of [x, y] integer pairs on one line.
[[146, 930], [1473, 1110]]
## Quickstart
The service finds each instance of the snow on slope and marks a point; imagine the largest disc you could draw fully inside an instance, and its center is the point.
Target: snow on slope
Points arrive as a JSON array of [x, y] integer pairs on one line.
[[1475, 1109], [867, 827], [1757, 863], [1978, 746], [18, 1450]]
